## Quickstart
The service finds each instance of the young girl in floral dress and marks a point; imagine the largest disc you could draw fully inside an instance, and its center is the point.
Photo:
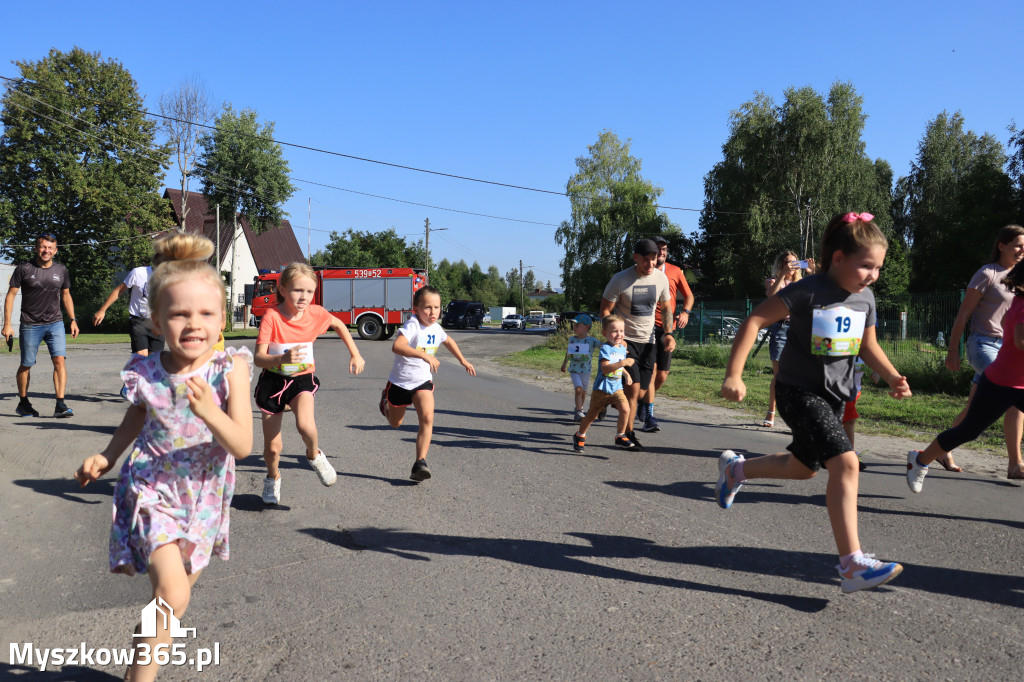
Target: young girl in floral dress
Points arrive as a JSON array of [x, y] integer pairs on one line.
[[190, 418]]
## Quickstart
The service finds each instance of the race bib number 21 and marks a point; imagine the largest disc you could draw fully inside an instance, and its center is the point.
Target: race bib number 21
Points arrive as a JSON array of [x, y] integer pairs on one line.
[[837, 332]]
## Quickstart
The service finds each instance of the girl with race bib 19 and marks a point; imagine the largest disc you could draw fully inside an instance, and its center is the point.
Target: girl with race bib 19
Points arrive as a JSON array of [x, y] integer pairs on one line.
[[832, 320], [284, 349], [410, 381]]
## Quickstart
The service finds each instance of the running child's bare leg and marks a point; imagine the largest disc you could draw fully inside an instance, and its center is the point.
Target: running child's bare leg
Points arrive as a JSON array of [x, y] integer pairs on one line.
[[423, 401], [1013, 430], [588, 419], [304, 408], [396, 414], [581, 396], [272, 443], [625, 421], [172, 584], [841, 500], [780, 465]]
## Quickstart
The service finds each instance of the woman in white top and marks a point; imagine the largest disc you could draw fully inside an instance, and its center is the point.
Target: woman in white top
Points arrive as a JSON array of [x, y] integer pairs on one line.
[[984, 304]]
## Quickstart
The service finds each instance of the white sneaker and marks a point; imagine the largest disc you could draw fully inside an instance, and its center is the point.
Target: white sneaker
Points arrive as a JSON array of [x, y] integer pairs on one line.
[[323, 468], [271, 491], [915, 472]]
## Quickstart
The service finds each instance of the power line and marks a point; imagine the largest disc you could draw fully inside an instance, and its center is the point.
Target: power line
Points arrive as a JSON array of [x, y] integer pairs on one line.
[[383, 163]]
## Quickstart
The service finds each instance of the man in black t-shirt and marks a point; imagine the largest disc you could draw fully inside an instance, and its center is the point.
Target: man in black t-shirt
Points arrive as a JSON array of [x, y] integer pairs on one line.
[[44, 285]]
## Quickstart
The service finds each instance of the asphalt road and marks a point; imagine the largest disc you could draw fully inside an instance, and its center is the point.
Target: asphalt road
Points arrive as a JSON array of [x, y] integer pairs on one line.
[[519, 559]]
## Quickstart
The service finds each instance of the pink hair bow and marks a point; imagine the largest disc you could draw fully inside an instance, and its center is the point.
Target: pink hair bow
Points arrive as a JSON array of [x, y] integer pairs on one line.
[[853, 217]]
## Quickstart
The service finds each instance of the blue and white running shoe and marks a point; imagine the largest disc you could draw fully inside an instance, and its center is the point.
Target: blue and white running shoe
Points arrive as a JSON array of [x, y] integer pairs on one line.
[[865, 572], [723, 494]]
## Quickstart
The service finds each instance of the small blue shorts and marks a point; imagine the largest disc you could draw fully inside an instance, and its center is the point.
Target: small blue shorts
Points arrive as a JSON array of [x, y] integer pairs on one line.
[[579, 379], [981, 351], [31, 335]]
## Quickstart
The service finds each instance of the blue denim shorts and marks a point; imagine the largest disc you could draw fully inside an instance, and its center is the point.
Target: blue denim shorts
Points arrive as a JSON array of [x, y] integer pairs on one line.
[[31, 335], [777, 341], [981, 351]]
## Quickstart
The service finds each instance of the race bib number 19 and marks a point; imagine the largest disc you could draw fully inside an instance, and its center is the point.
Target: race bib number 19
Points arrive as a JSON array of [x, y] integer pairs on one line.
[[837, 332]]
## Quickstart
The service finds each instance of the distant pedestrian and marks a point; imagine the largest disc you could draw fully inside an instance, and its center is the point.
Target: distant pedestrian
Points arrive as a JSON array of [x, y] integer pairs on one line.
[[44, 285], [677, 285], [411, 381], [612, 374], [985, 302], [786, 270], [284, 349], [633, 295], [189, 420], [579, 352], [832, 319], [1000, 388], [143, 339]]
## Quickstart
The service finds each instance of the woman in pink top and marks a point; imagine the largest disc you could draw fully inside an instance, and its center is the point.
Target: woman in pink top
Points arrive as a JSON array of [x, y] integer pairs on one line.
[[984, 304], [1000, 389]]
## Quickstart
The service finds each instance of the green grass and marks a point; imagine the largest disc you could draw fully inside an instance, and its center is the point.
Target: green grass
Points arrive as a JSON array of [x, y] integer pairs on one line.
[[698, 371]]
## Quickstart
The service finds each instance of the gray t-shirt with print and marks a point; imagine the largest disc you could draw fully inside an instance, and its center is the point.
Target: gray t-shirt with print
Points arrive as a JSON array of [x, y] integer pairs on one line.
[[636, 299], [805, 362]]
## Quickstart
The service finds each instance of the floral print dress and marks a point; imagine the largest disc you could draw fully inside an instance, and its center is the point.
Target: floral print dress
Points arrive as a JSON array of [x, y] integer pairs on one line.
[[177, 483]]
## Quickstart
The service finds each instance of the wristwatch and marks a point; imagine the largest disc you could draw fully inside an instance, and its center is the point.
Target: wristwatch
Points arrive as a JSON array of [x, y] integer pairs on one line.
[[687, 311], [73, 319]]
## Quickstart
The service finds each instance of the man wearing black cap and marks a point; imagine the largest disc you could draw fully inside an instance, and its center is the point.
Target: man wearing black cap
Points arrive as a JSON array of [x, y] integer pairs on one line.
[[635, 294], [677, 285]]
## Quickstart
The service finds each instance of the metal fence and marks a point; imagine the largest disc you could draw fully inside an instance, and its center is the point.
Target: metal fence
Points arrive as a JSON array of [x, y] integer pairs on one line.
[[909, 324]]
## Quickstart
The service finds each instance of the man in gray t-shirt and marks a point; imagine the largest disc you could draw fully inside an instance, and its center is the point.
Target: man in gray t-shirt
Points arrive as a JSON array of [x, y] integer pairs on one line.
[[44, 284], [634, 294]]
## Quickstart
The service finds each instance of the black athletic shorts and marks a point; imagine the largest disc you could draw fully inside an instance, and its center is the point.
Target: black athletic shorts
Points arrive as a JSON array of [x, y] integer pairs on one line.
[[663, 357], [643, 355], [274, 391], [142, 336], [402, 397], [816, 422]]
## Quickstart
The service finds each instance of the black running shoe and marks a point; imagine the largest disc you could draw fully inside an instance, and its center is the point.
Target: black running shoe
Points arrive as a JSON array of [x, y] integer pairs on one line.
[[578, 442], [632, 436], [384, 402], [25, 409], [420, 472], [601, 415], [625, 443], [62, 410]]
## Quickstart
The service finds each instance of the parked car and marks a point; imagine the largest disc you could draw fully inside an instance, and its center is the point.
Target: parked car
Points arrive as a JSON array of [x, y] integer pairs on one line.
[[535, 317], [551, 319], [513, 322], [463, 315]]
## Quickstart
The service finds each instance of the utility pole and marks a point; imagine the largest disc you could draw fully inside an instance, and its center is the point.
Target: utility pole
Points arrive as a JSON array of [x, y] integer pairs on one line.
[[426, 245]]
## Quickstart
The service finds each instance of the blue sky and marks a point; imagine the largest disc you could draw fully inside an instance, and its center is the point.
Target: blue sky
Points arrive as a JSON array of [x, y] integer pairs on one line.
[[514, 92]]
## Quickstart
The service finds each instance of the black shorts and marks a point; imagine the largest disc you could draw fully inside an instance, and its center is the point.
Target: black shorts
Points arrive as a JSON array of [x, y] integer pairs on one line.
[[274, 391], [662, 356], [643, 355], [816, 422], [402, 397], [143, 337]]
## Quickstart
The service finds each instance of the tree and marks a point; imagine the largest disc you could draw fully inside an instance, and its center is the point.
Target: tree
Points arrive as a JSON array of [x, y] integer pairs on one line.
[[79, 159], [370, 250], [186, 111], [786, 170], [950, 206], [612, 205], [243, 170]]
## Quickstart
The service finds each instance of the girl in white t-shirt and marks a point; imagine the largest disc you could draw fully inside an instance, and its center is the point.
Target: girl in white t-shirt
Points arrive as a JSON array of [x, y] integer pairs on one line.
[[410, 381]]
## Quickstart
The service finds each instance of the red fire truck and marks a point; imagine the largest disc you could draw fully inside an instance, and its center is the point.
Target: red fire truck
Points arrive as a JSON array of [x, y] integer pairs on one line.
[[376, 300]]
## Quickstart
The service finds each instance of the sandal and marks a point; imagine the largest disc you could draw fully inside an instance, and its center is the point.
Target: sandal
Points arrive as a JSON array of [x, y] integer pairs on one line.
[[769, 419], [945, 462]]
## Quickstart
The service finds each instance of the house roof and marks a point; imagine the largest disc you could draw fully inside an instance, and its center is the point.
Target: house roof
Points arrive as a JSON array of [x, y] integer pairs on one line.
[[271, 250]]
